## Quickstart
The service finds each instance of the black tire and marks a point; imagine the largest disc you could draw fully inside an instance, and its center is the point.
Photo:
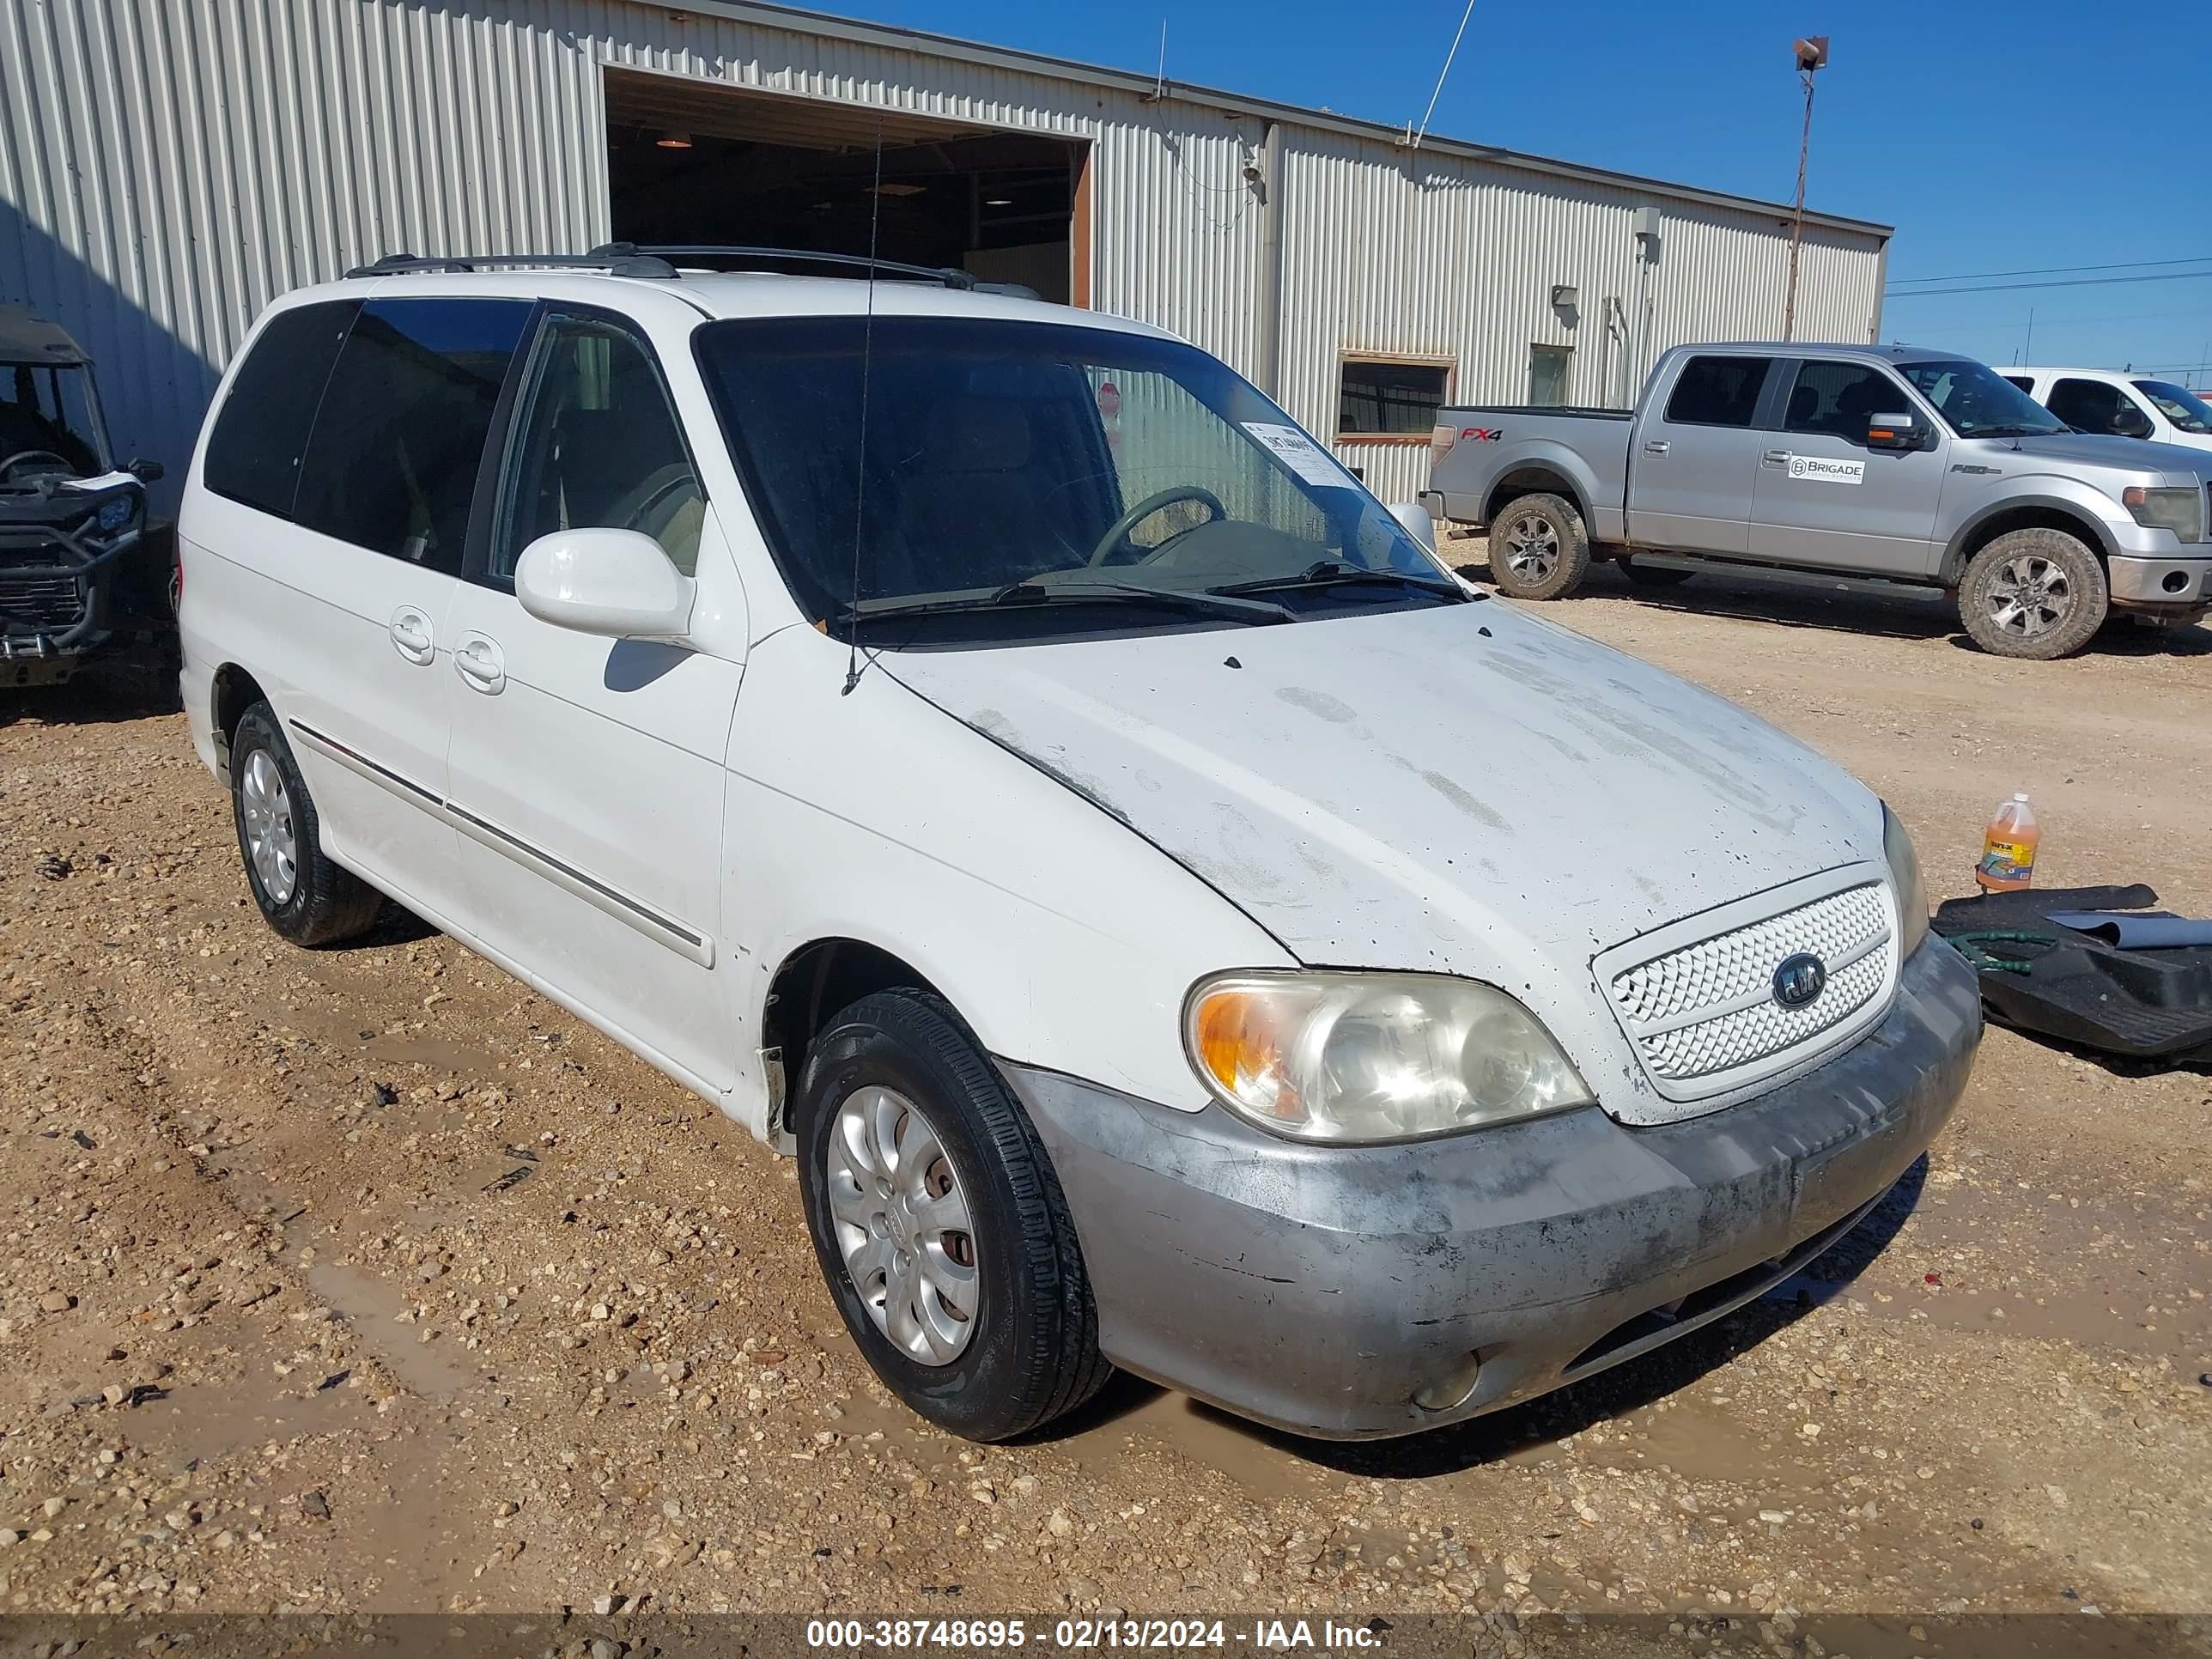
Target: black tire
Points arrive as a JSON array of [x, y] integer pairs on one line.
[[1539, 548], [325, 902], [2037, 594], [1032, 1348], [1653, 575]]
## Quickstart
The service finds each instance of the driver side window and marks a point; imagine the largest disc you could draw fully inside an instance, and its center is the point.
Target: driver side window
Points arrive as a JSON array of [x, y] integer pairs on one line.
[[596, 446]]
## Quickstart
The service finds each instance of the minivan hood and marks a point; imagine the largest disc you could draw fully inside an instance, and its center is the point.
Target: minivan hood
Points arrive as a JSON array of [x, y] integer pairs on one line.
[[1464, 789]]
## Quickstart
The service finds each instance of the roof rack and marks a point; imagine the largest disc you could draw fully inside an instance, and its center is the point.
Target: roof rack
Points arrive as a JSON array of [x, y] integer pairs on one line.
[[615, 259], [629, 259], [949, 275]]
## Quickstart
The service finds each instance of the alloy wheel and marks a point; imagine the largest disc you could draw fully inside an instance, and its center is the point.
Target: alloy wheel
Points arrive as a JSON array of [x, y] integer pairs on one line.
[[2030, 596], [902, 1224], [271, 842], [1532, 548]]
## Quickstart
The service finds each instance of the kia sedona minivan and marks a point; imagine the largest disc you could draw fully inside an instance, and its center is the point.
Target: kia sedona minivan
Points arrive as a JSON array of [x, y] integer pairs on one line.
[[993, 753]]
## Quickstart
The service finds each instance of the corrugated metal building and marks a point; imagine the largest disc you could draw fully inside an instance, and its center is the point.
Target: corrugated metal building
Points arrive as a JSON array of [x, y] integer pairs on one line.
[[166, 165]]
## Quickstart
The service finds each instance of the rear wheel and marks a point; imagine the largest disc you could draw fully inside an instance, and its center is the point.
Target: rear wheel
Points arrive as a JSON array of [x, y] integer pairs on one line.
[[939, 1224], [1539, 548], [2037, 594], [1653, 575], [302, 894]]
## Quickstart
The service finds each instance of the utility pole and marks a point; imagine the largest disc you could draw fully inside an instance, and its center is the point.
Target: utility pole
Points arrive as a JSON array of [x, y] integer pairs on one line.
[[1812, 52]]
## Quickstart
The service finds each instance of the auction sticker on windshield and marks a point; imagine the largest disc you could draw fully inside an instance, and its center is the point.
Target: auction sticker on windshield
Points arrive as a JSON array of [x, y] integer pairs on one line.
[[1299, 453], [1821, 469]]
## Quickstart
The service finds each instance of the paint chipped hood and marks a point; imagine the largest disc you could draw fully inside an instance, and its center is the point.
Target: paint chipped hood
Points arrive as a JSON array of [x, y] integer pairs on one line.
[[1464, 790]]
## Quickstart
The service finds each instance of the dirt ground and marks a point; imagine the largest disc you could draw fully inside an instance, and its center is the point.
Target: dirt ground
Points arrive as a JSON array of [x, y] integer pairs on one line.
[[367, 1279]]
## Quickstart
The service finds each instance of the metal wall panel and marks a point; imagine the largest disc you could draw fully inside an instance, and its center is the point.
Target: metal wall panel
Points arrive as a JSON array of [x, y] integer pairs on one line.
[[167, 167]]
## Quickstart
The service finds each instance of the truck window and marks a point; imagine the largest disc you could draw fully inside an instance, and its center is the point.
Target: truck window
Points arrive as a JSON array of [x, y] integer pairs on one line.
[[1717, 391], [253, 453], [1835, 399], [392, 465], [2024, 382], [2088, 405]]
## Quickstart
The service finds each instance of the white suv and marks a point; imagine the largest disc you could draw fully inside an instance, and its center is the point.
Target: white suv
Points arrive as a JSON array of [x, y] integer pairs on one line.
[[993, 753], [2121, 405]]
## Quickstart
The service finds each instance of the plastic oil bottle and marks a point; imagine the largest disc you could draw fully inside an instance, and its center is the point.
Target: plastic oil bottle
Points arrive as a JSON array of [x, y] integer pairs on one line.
[[2008, 848]]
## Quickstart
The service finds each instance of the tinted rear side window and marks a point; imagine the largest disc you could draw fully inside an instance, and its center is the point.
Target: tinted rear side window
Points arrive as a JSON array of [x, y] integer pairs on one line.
[[253, 453], [1717, 391], [392, 464]]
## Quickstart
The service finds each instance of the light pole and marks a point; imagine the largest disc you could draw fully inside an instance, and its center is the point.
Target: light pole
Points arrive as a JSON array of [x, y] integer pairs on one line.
[[1812, 52]]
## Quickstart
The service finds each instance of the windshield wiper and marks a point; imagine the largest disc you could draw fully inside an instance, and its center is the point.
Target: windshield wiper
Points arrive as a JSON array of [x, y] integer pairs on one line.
[[1016, 595], [1327, 573]]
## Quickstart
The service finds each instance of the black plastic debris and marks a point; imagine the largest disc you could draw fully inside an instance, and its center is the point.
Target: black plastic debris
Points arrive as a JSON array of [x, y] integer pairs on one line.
[[2041, 977]]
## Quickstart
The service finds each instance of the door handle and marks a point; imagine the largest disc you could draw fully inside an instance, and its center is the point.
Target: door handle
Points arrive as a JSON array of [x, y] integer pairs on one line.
[[1656, 446], [411, 636], [480, 662], [1776, 457]]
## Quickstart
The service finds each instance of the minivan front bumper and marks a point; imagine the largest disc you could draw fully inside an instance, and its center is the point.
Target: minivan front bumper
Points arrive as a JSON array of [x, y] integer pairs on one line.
[[1321, 1288]]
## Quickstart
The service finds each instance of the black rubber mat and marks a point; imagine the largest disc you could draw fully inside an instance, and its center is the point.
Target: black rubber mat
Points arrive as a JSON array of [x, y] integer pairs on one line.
[[2144, 1005]]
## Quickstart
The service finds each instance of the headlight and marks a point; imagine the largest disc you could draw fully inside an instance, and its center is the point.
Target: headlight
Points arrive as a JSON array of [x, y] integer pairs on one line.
[[1911, 890], [1369, 1057], [2181, 511], [116, 514]]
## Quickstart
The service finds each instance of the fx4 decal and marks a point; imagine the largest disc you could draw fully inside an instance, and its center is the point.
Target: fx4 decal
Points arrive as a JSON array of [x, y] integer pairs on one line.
[[1481, 435]]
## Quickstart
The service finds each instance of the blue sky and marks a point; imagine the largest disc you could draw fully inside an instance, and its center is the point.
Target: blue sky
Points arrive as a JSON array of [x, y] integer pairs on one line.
[[1995, 138]]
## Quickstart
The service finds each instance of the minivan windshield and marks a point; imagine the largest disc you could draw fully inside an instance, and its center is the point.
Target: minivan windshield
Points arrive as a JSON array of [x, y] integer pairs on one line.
[[1977, 402], [2189, 412], [1009, 468], [46, 410]]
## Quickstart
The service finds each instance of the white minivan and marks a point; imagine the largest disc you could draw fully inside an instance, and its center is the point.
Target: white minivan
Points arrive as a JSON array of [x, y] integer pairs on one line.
[[995, 755], [2113, 402]]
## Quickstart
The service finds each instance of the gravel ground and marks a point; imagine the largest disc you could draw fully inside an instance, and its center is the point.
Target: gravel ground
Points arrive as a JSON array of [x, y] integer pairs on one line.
[[365, 1279]]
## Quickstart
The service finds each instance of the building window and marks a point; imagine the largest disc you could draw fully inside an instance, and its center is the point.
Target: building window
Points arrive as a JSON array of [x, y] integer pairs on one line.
[[1379, 401], [1548, 367]]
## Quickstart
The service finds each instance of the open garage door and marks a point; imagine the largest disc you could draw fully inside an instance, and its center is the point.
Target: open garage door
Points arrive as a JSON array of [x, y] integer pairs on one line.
[[689, 160]]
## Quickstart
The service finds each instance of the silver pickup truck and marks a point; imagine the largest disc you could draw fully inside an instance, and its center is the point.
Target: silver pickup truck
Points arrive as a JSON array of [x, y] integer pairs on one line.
[[1888, 462]]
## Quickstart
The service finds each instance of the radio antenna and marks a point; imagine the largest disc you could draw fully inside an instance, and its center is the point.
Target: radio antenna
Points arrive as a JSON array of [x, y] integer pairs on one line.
[[860, 484]]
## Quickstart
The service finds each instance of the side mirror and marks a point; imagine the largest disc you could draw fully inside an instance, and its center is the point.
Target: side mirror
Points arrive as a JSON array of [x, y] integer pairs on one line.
[[1898, 432], [146, 471], [612, 582], [1417, 522], [2129, 422]]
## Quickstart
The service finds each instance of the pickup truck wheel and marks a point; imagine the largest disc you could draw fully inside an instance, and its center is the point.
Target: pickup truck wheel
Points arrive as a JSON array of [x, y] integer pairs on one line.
[[2033, 593], [301, 893], [1654, 576], [939, 1224], [1538, 549]]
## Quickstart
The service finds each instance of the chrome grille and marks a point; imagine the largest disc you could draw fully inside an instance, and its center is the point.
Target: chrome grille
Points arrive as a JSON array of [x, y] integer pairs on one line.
[[1708, 1008]]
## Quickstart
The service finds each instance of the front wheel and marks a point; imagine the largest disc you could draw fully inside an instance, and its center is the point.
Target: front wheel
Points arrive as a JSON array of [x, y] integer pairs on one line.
[[1539, 548], [939, 1224], [2037, 594]]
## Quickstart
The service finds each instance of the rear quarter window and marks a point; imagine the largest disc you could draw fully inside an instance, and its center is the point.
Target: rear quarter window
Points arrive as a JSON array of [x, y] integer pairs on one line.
[[400, 439], [1717, 391], [261, 432]]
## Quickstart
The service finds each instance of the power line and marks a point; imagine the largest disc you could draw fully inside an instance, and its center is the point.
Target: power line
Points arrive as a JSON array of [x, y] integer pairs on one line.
[[2076, 282], [2057, 270]]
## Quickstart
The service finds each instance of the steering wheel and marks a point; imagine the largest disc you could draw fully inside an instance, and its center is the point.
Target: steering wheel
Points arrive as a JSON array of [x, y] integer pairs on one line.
[[22, 455], [1144, 510]]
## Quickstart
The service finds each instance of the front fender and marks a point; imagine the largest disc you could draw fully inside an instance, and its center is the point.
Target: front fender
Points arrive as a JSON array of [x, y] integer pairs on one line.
[[2053, 492], [1064, 938]]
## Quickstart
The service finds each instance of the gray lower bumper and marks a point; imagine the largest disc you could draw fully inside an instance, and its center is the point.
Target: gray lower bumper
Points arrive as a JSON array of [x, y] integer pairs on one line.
[[2148, 581], [1319, 1288]]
